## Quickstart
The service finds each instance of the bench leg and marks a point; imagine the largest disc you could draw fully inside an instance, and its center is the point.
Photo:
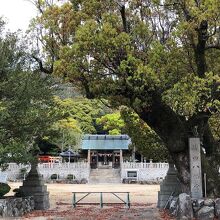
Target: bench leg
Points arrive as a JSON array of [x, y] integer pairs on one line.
[[74, 200], [128, 200], [101, 201]]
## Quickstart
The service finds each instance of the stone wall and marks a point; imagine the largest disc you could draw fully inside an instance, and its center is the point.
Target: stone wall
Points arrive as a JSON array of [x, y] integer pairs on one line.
[[184, 207], [150, 172], [14, 207]]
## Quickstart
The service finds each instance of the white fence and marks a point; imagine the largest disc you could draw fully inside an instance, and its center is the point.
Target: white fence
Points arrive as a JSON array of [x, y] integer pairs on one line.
[[78, 165], [144, 171], [80, 170], [132, 165], [13, 171]]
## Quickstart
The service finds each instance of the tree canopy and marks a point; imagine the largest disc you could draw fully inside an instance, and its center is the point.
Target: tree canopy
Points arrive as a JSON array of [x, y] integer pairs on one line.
[[112, 124], [160, 58], [26, 102], [144, 140], [77, 116]]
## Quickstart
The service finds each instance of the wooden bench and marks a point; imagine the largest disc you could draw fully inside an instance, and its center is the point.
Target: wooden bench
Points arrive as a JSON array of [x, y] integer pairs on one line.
[[101, 202]]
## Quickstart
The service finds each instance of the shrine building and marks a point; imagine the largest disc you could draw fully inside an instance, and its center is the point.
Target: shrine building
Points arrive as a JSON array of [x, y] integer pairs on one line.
[[105, 151]]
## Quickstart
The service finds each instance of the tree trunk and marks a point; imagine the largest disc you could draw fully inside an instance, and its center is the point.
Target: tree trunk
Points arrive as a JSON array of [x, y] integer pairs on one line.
[[181, 161], [209, 166], [175, 132]]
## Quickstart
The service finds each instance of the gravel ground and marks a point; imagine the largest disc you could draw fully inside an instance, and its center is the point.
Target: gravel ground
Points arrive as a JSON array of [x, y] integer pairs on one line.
[[143, 200]]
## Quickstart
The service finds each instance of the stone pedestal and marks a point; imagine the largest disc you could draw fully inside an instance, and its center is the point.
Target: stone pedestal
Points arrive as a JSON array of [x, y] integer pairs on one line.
[[34, 186], [169, 186]]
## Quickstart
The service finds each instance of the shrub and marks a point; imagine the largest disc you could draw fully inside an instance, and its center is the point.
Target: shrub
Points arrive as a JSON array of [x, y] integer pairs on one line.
[[54, 176], [4, 189], [70, 177]]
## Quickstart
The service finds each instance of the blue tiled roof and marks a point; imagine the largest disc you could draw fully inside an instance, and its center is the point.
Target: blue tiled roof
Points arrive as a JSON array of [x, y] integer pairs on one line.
[[105, 142]]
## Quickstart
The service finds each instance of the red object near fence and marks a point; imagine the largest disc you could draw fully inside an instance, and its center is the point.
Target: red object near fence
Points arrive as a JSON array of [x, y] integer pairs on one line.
[[49, 159]]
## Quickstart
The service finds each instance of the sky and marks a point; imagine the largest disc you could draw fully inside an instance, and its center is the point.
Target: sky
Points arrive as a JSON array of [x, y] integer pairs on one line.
[[17, 13]]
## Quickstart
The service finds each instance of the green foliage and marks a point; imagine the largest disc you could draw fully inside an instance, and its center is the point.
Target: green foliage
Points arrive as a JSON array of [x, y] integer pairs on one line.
[[140, 60], [214, 122], [145, 140], [48, 148], [26, 103], [159, 58], [77, 117], [4, 189], [112, 123], [81, 112], [27, 114], [69, 133], [193, 94], [14, 151]]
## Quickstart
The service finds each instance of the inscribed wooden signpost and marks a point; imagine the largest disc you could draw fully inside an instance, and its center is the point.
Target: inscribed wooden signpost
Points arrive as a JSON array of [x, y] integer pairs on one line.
[[195, 168]]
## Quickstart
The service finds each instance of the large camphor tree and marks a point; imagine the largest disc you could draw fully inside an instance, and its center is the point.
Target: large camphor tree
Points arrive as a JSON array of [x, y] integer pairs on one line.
[[158, 57]]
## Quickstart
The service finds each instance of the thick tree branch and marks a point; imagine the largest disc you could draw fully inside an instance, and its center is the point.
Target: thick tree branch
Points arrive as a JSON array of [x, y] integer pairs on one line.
[[200, 48], [86, 85], [169, 126], [124, 19], [41, 67]]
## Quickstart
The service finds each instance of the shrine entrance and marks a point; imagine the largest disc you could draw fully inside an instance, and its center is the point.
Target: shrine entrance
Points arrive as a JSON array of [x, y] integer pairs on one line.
[[104, 159], [105, 151]]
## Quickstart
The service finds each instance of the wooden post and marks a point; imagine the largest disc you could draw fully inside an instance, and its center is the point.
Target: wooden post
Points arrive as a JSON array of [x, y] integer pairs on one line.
[[89, 157], [121, 158], [113, 159], [97, 159]]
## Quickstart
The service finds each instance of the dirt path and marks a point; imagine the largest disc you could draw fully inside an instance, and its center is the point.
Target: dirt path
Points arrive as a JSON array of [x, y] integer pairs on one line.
[[143, 203], [94, 213]]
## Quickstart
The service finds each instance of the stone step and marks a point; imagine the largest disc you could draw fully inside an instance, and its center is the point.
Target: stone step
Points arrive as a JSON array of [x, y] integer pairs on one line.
[[105, 167], [97, 181], [105, 176]]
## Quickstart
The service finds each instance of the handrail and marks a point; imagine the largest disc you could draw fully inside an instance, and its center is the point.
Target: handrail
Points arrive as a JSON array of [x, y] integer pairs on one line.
[[140, 165], [124, 165]]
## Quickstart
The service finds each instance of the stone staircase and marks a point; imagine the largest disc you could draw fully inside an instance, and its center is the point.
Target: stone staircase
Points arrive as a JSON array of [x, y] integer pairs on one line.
[[104, 175]]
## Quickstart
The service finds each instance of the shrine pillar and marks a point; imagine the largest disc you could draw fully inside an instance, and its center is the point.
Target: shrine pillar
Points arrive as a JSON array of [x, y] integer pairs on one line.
[[89, 157]]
